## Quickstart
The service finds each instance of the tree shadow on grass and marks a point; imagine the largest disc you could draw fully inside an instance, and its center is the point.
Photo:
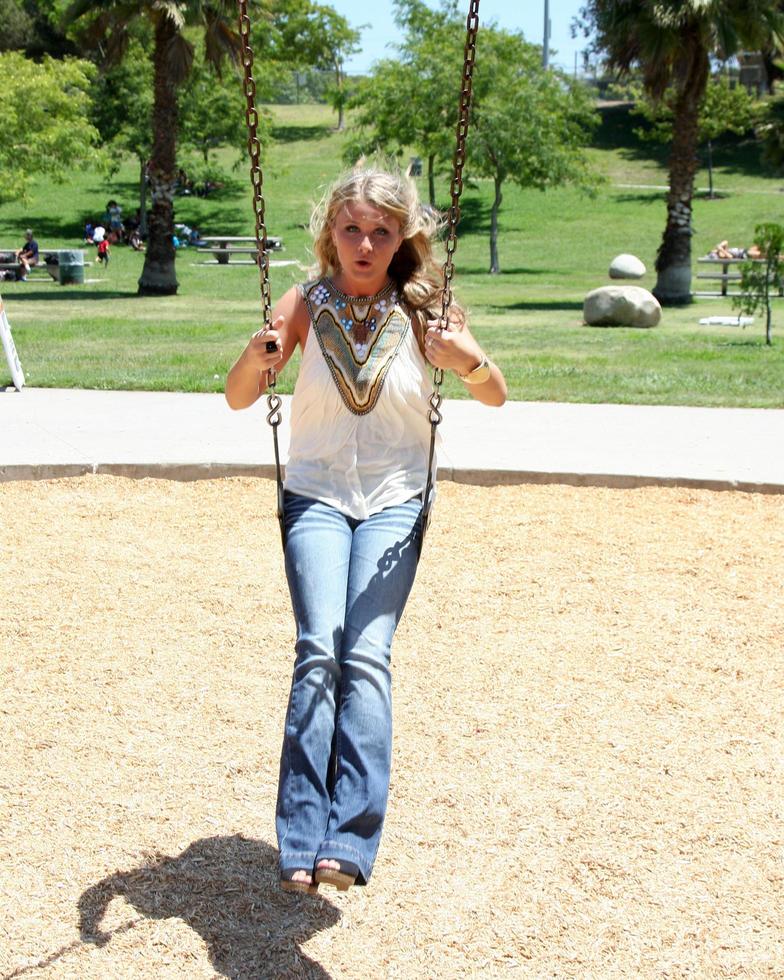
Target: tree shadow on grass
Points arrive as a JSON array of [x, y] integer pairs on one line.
[[122, 191], [738, 155], [127, 193], [749, 343], [732, 154], [230, 221], [47, 226], [554, 304], [293, 134], [619, 129], [60, 294], [642, 197], [498, 276], [474, 216], [226, 890]]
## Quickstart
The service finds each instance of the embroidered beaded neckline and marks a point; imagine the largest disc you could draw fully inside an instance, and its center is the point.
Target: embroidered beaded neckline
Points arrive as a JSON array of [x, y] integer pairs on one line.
[[357, 319], [359, 337]]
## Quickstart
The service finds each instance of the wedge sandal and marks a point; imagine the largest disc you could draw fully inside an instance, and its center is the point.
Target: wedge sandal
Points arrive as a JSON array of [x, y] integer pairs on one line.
[[341, 878], [289, 884]]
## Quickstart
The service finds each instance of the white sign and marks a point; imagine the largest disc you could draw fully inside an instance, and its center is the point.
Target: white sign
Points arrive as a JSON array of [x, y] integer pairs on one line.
[[17, 375]]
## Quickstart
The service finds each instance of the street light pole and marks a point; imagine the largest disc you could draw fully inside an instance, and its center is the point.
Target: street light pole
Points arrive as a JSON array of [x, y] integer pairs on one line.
[[546, 41]]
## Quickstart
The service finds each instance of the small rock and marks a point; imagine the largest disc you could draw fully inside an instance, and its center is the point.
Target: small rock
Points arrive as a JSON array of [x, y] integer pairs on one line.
[[626, 266], [621, 306]]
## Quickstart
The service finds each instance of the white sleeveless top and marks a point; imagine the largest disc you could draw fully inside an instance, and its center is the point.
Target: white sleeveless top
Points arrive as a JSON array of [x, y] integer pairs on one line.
[[360, 433]]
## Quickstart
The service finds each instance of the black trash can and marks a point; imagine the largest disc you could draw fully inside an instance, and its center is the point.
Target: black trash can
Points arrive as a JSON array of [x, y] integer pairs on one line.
[[71, 267]]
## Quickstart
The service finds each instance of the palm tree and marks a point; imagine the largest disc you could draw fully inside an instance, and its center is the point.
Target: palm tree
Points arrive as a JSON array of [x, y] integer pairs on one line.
[[672, 42], [107, 27]]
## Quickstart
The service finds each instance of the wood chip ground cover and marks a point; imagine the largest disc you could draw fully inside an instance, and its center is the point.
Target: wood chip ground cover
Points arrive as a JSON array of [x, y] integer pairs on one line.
[[588, 752]]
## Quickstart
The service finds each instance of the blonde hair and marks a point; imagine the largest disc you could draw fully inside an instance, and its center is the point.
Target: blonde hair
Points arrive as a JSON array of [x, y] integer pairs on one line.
[[414, 268]]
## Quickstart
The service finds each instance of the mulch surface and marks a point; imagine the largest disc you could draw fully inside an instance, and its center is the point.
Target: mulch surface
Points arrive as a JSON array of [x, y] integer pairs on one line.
[[588, 752]]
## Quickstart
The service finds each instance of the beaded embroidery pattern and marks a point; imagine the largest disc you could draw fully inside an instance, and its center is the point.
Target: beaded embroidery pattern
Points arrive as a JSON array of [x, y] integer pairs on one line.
[[358, 336]]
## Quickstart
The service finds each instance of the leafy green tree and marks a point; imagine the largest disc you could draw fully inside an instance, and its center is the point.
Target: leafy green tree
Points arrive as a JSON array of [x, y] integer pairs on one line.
[[212, 112], [528, 125], [763, 279], [724, 109], [32, 26], [304, 34], [671, 42], [108, 25], [17, 29], [50, 134], [285, 85], [411, 101]]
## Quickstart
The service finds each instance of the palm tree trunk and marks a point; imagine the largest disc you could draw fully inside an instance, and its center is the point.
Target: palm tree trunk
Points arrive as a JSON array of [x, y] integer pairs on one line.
[[143, 198], [673, 261], [158, 276], [495, 267]]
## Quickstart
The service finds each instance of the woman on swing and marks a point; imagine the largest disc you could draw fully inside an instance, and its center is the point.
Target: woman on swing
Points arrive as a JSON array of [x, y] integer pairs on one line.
[[355, 478]]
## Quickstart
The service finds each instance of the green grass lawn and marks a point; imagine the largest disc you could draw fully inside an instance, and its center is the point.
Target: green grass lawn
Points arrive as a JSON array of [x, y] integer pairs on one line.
[[554, 247]]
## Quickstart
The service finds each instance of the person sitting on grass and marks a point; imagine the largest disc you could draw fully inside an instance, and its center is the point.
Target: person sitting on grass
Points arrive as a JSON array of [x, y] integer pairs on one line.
[[133, 235], [27, 255]]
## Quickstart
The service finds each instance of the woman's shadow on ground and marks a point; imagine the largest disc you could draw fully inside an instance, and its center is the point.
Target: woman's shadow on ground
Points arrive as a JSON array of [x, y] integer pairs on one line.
[[226, 890]]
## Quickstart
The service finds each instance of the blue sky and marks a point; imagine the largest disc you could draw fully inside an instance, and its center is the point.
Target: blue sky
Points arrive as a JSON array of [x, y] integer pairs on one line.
[[521, 15]]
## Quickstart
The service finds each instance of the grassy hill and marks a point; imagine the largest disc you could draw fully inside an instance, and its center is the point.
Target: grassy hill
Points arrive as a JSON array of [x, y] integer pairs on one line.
[[554, 247]]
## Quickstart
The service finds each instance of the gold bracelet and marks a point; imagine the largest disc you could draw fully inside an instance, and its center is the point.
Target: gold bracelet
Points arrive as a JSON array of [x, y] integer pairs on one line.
[[480, 373]]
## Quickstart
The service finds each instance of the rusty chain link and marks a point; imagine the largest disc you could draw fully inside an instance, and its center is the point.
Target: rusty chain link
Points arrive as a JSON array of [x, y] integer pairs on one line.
[[262, 254], [472, 27], [434, 413], [256, 175]]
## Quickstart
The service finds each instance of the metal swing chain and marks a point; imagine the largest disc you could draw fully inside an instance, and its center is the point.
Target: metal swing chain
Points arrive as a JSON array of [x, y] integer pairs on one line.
[[472, 27], [434, 414], [254, 151], [262, 254]]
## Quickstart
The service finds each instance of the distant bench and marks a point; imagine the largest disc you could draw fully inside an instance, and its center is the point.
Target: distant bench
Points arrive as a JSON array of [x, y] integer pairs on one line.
[[224, 246], [725, 275]]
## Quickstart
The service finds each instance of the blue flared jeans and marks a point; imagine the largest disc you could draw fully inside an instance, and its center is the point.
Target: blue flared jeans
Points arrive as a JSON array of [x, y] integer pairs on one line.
[[349, 582]]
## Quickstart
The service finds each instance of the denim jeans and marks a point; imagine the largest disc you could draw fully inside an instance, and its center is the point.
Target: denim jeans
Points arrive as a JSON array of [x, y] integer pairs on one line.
[[349, 582]]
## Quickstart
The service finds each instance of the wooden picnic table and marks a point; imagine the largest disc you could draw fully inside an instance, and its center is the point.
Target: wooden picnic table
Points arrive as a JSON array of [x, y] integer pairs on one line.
[[725, 275], [224, 246]]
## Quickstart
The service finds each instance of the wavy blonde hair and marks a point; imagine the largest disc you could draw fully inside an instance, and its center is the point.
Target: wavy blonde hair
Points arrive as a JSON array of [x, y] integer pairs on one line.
[[414, 268]]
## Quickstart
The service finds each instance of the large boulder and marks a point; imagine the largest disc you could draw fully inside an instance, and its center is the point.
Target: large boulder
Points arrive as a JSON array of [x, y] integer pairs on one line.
[[621, 306], [626, 266]]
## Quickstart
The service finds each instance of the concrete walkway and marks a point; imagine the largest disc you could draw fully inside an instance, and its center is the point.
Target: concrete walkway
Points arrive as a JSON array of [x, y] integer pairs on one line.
[[46, 433]]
